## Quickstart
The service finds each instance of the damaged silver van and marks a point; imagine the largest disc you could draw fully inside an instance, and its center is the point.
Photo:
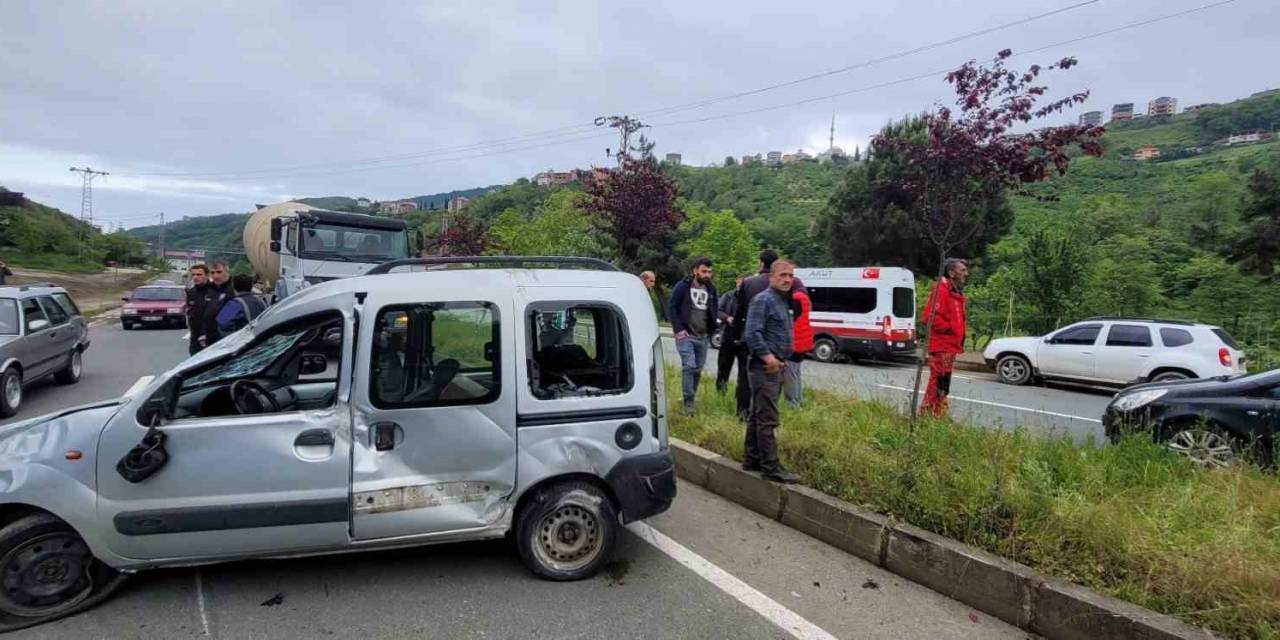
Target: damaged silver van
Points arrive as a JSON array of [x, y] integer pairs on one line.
[[434, 400]]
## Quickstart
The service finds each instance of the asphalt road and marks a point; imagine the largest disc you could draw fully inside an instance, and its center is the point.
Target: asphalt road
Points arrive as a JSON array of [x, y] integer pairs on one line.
[[706, 569], [976, 398]]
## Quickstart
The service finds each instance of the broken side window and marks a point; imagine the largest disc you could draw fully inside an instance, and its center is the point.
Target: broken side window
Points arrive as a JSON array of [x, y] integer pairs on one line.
[[435, 354], [578, 349]]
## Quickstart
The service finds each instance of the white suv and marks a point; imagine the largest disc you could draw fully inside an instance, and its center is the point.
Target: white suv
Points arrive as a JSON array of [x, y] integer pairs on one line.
[[1118, 351]]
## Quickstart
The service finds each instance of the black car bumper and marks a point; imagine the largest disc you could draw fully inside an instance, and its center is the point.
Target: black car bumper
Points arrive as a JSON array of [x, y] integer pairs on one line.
[[645, 485], [876, 349]]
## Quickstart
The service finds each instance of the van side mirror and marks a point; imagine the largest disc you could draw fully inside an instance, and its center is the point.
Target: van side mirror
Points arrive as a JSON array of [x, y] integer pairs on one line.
[[276, 230], [275, 246]]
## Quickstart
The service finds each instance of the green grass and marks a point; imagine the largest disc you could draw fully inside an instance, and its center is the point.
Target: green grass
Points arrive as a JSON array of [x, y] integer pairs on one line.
[[1130, 520], [50, 262]]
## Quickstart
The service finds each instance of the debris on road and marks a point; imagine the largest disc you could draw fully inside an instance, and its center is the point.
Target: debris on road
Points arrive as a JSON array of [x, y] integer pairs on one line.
[[870, 584], [274, 600]]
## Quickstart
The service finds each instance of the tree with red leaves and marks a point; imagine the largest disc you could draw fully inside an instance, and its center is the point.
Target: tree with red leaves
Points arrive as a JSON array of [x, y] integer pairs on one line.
[[635, 204], [971, 154], [465, 236]]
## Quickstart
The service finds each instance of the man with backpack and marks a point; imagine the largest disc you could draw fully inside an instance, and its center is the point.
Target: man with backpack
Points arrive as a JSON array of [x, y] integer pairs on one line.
[[236, 312]]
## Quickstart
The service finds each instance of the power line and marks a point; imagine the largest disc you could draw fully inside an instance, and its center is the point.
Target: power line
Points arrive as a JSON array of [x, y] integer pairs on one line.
[[663, 111], [867, 63], [936, 73], [561, 135]]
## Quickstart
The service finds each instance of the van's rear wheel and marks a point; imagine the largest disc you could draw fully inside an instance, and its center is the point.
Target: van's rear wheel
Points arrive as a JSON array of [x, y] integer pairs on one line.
[[47, 572], [567, 531], [825, 350]]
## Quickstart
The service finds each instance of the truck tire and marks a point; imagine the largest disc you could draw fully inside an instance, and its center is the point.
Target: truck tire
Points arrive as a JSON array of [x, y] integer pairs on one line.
[[48, 572], [567, 531]]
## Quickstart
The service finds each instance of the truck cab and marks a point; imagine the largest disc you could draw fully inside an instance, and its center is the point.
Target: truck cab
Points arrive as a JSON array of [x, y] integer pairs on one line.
[[316, 246], [433, 400]]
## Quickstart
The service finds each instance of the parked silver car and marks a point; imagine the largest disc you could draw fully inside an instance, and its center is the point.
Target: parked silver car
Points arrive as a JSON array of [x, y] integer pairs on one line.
[[42, 334], [387, 410]]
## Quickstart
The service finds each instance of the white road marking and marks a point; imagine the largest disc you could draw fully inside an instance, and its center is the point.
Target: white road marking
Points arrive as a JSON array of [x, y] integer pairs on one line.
[[139, 385], [204, 618], [1001, 405], [770, 609]]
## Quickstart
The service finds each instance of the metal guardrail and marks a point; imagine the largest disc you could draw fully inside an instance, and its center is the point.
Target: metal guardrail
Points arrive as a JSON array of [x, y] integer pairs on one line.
[[498, 262]]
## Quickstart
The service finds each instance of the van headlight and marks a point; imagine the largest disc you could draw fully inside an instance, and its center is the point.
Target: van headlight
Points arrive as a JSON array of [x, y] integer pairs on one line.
[[1131, 401]]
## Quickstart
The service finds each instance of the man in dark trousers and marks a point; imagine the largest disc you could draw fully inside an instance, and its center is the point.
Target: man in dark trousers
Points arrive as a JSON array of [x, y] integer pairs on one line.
[[728, 352], [4, 272], [768, 334], [747, 291], [245, 306], [692, 312]]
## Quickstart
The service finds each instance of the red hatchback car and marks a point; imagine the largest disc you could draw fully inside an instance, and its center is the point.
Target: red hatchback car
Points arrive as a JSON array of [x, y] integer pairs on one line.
[[154, 305]]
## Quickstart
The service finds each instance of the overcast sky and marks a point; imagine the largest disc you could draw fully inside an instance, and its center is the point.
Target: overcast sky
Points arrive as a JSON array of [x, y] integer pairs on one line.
[[274, 99]]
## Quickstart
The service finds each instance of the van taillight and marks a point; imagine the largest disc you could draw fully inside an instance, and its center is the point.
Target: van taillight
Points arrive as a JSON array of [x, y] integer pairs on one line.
[[1224, 356], [887, 325]]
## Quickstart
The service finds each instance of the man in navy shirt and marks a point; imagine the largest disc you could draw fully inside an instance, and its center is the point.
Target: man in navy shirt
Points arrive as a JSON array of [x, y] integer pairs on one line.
[[768, 336]]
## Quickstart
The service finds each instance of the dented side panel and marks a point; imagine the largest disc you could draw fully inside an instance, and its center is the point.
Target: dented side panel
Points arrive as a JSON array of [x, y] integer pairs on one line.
[[448, 467], [585, 446]]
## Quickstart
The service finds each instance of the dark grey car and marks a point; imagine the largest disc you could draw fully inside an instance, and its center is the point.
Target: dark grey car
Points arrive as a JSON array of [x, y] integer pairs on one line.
[[42, 334]]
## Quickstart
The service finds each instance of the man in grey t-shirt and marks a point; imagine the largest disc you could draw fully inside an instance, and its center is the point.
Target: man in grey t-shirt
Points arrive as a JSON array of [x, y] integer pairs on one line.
[[693, 318]]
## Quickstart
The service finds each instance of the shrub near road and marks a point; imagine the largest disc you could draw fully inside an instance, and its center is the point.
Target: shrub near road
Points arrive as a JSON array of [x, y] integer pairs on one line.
[[1129, 520]]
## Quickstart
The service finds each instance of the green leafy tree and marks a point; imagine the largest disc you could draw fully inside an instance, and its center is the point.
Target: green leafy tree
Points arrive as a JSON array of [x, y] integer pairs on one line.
[[1054, 267], [1124, 280], [1215, 206], [721, 236], [1258, 249], [558, 228]]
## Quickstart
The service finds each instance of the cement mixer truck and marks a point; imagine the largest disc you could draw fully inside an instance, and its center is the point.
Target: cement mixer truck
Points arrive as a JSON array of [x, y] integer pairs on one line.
[[293, 245]]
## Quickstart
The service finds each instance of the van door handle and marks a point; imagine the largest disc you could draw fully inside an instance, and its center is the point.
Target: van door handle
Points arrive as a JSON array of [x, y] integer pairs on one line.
[[314, 438], [384, 436]]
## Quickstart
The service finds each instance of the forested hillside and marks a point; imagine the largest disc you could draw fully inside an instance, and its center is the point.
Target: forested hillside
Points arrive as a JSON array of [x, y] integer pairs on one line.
[[33, 235]]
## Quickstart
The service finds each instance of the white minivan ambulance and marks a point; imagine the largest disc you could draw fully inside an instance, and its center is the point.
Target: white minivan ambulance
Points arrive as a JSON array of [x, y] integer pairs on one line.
[[861, 312]]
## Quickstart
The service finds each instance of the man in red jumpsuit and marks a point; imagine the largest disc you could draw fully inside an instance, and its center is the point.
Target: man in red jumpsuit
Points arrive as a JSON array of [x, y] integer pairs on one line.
[[946, 336]]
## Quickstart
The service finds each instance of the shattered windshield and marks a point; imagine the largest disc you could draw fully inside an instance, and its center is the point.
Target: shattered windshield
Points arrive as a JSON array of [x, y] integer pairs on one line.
[[250, 363]]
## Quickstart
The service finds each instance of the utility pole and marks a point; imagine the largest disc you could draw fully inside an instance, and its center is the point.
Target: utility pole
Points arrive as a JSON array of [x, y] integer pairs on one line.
[[162, 237], [626, 125], [86, 203]]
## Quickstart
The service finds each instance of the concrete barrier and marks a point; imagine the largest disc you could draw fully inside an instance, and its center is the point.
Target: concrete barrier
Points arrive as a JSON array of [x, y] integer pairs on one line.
[[1007, 590], [979, 579]]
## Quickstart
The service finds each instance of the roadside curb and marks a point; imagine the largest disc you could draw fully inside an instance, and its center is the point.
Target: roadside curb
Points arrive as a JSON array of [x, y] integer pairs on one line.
[[1010, 591]]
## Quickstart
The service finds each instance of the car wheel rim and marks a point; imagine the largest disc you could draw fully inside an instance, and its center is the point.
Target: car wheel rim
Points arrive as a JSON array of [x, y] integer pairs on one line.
[[46, 575], [76, 363], [823, 351], [1012, 370], [1204, 447], [13, 391], [568, 538], [1169, 376]]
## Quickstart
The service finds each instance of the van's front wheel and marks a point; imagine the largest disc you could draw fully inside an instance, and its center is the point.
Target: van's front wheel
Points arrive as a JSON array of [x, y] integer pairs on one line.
[[567, 531], [47, 572]]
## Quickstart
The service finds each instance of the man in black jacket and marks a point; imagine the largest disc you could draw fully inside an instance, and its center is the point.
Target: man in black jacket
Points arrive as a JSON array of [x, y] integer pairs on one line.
[[728, 351], [204, 300], [692, 312], [750, 288]]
